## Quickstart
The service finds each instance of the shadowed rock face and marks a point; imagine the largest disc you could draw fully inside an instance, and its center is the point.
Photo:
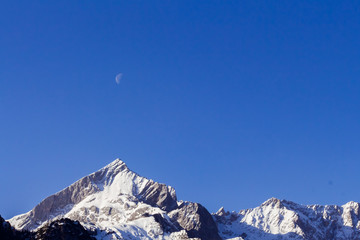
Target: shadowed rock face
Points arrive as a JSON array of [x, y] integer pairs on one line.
[[63, 229], [196, 220], [157, 194], [9, 233]]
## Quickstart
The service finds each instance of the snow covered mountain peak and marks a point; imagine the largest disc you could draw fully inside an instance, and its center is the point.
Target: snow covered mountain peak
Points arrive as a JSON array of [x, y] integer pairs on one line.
[[117, 203], [221, 212], [274, 202], [112, 183], [115, 166]]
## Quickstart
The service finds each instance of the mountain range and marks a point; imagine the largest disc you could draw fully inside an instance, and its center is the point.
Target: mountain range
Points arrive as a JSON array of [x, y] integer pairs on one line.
[[117, 203]]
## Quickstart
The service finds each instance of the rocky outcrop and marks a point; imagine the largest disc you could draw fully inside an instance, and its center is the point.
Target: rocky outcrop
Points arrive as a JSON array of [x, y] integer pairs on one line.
[[7, 232], [196, 221], [160, 195], [63, 229]]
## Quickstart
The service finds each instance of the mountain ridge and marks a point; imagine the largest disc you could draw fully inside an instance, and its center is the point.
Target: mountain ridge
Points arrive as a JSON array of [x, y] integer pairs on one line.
[[117, 203], [288, 220]]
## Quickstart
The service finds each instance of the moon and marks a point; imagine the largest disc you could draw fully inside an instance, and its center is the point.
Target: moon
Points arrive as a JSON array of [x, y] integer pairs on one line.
[[118, 78]]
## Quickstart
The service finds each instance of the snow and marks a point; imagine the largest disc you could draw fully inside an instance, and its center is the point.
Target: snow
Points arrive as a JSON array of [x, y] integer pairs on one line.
[[109, 202], [281, 219]]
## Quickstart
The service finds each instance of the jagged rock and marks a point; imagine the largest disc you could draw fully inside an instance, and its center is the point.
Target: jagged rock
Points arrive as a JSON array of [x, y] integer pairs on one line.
[[196, 220], [7, 232], [63, 229], [166, 225], [157, 194]]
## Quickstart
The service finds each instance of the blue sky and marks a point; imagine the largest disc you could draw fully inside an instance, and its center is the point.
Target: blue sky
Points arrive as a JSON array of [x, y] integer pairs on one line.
[[230, 102]]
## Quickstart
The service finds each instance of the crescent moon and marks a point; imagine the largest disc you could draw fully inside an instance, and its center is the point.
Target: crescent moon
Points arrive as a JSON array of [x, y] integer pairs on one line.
[[118, 78]]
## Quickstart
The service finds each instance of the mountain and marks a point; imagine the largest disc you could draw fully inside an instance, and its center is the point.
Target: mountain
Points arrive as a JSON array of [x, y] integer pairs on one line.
[[116, 203], [280, 219]]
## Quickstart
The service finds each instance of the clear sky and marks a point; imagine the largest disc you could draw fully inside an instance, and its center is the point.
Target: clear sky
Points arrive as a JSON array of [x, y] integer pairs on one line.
[[230, 102]]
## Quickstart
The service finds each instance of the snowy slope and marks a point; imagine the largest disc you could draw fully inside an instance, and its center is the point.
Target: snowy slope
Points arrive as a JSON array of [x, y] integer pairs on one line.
[[281, 219]]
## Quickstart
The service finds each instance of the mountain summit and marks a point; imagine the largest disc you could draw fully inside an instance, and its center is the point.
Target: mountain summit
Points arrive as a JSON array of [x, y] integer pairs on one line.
[[118, 203]]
